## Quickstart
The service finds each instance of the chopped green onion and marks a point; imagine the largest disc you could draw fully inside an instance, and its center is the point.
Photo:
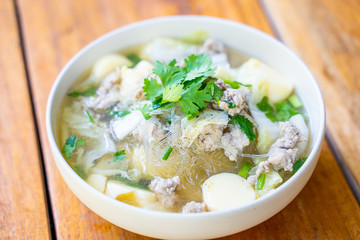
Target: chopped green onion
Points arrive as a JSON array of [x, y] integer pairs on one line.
[[260, 181], [295, 101], [298, 164], [120, 155], [167, 153], [244, 170], [89, 116]]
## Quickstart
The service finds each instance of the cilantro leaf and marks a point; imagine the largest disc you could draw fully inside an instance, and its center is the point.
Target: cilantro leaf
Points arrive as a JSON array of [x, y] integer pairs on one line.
[[71, 144], [193, 100], [169, 73], [199, 97], [265, 106], [90, 92], [151, 88], [214, 90], [146, 110], [283, 111], [183, 85], [198, 66], [246, 126], [230, 104], [172, 93], [134, 59], [189, 108], [236, 84], [120, 155]]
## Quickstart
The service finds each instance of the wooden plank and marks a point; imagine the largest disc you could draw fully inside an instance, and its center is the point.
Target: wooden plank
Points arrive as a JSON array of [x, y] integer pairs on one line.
[[326, 34], [63, 27], [324, 209], [23, 212]]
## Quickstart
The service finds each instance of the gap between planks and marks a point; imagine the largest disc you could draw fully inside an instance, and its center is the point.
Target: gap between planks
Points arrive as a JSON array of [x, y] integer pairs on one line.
[[50, 217]]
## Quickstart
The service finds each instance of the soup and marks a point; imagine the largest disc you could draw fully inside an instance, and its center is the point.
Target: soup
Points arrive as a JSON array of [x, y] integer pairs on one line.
[[183, 125]]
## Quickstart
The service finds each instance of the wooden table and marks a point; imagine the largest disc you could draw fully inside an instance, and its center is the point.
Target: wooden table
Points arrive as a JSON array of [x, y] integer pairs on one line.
[[37, 37]]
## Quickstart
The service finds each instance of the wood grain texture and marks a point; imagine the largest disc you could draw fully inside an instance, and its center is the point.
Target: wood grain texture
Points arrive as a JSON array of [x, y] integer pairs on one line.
[[55, 30], [326, 35], [23, 212], [324, 209]]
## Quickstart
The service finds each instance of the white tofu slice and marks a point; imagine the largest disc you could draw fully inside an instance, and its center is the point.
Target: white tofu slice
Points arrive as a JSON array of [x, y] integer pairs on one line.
[[122, 127], [130, 195], [157, 207], [97, 181], [113, 189], [227, 190], [145, 198]]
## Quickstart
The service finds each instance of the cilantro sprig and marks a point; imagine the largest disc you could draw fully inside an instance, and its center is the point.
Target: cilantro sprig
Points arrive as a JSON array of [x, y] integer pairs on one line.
[[193, 100], [198, 67], [214, 91], [246, 126], [184, 85], [71, 144], [282, 111]]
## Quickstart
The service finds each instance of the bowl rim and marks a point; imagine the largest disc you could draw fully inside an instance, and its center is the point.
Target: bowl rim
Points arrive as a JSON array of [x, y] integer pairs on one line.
[[316, 141]]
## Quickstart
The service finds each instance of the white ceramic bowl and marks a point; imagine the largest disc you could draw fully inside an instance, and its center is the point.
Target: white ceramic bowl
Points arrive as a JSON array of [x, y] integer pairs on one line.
[[203, 225]]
